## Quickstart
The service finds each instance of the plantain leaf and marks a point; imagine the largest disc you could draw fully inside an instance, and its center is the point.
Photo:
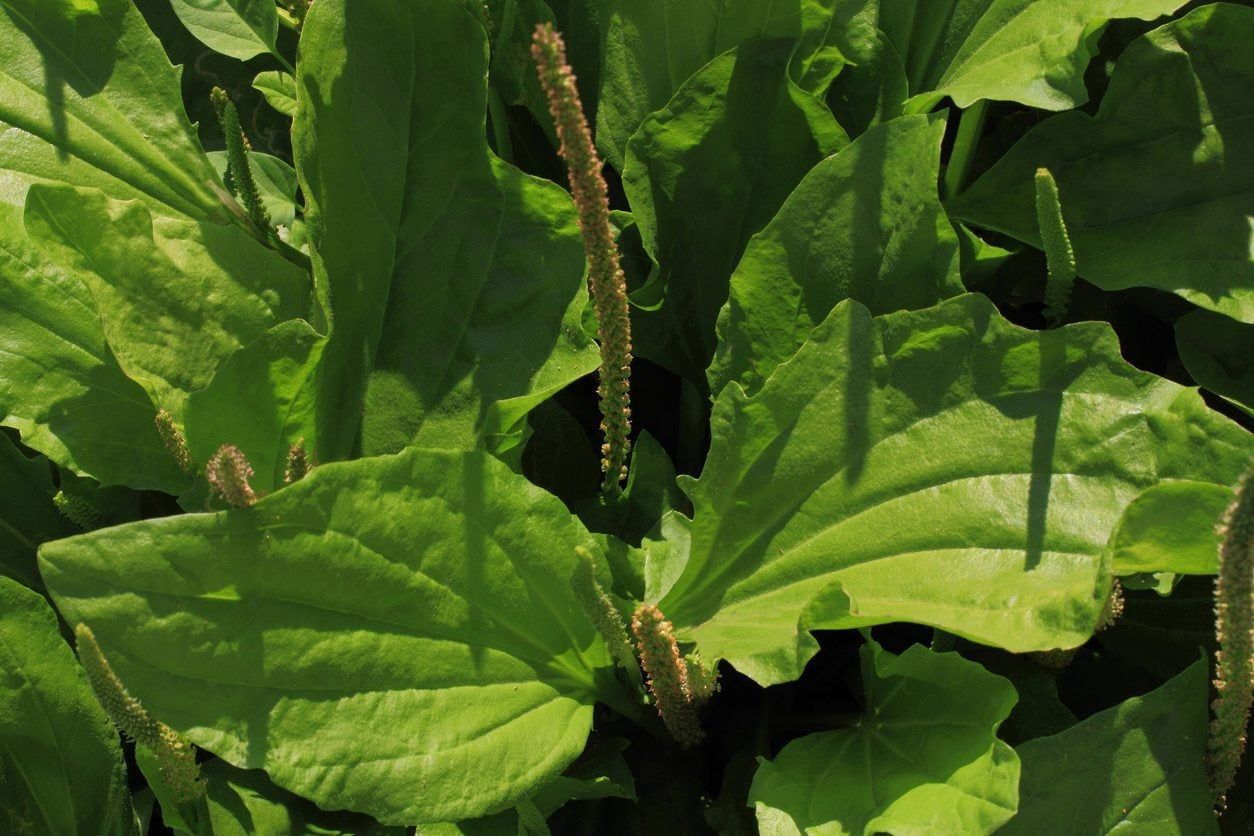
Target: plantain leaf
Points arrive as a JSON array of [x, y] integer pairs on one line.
[[705, 173], [1219, 353], [1171, 528], [864, 224], [27, 515], [407, 618], [98, 104], [1136, 768], [455, 280], [242, 29], [942, 467], [924, 758], [279, 89], [1157, 187], [61, 768], [176, 297]]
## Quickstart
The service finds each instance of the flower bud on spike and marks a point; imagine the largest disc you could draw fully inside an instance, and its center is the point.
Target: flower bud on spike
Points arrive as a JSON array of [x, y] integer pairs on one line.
[[602, 612], [1059, 257], [606, 283], [668, 674], [1234, 621], [228, 472], [175, 443], [77, 510], [239, 174], [298, 463], [175, 756]]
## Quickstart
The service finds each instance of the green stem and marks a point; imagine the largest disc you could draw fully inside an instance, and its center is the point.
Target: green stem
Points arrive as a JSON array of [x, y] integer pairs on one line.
[[287, 20], [970, 126], [500, 126]]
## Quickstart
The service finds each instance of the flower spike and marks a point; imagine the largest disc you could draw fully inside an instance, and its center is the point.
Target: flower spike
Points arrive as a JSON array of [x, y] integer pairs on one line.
[[606, 283], [1059, 257], [228, 472], [1234, 628], [239, 174], [175, 755], [668, 674], [299, 463], [175, 443], [602, 612], [77, 510]]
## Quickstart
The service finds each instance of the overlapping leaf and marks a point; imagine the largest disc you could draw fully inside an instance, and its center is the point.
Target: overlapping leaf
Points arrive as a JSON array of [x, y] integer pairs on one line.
[[924, 758], [379, 636], [705, 173], [61, 768], [242, 29], [942, 467], [864, 224], [98, 104], [27, 515], [1157, 188], [1135, 768], [454, 279]]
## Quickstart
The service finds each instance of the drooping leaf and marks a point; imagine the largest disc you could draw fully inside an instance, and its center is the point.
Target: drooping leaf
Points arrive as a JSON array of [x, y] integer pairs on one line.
[[175, 297], [1171, 528], [651, 47], [1219, 353], [864, 224], [1136, 768], [705, 173], [1029, 51], [242, 29], [27, 515], [60, 386], [416, 621], [261, 401], [279, 89], [924, 758], [61, 768], [1157, 187], [454, 279], [98, 104], [942, 467]]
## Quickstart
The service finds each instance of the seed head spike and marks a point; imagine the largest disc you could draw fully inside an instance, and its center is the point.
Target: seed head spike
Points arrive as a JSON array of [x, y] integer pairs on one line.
[[239, 174], [175, 756], [1059, 257], [1234, 628], [228, 472], [668, 674], [606, 283], [298, 463]]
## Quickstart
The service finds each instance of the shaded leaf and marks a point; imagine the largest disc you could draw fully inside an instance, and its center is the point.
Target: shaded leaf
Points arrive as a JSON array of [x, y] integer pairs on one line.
[[1219, 353], [1138, 768], [27, 515], [1157, 187], [925, 757], [61, 768]]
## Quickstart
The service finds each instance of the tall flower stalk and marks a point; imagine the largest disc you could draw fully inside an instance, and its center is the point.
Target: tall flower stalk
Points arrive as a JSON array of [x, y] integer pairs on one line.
[[606, 283], [1059, 256], [239, 174], [1234, 628], [668, 674]]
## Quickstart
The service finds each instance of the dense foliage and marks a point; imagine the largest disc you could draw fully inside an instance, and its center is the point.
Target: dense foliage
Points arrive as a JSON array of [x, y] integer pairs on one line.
[[610, 416]]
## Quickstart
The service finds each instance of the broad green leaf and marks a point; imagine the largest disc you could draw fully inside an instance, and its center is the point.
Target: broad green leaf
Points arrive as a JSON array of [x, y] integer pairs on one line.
[[1029, 51], [1219, 354], [60, 386], [276, 181], [705, 173], [942, 467], [247, 803], [408, 618], [93, 85], [873, 87], [262, 401], [61, 769], [651, 47], [924, 758], [27, 515], [1136, 768], [452, 277], [1158, 187], [279, 89], [176, 297], [864, 224], [1171, 528], [242, 29]]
